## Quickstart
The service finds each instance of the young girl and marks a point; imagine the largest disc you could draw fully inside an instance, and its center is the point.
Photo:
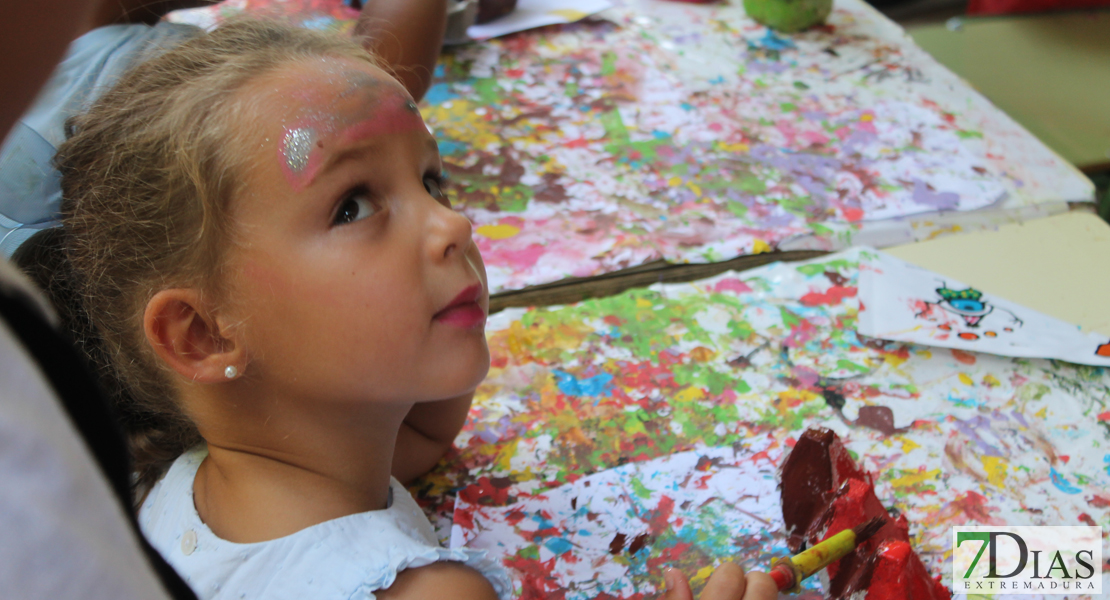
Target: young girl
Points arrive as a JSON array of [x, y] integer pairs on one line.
[[289, 312]]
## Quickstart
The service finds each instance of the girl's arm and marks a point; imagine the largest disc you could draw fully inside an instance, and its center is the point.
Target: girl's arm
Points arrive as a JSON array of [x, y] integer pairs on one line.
[[407, 35], [426, 434]]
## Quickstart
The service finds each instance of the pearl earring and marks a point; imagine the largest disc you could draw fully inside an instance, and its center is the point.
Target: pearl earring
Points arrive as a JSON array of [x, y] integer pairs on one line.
[[231, 372]]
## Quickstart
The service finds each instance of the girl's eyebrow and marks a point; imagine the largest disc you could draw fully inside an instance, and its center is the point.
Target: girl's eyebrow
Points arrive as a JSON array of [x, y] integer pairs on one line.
[[395, 114]]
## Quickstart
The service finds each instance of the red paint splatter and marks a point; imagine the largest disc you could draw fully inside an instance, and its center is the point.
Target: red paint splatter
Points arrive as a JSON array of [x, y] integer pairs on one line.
[[966, 358], [537, 578], [967, 335], [639, 543], [733, 285], [1098, 501], [464, 519], [833, 296], [1065, 458], [1104, 416], [657, 524], [1087, 520], [1103, 350], [974, 506], [487, 492]]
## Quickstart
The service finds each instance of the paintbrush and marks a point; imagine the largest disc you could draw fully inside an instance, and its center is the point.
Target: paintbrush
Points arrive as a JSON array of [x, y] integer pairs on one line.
[[789, 572]]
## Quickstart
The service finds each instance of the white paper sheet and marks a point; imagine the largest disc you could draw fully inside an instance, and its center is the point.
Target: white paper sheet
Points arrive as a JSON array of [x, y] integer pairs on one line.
[[903, 302], [609, 532], [530, 14]]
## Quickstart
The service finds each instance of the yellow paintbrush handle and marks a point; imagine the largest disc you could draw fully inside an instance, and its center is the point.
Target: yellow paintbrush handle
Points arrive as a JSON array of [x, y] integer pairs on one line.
[[789, 572], [825, 553]]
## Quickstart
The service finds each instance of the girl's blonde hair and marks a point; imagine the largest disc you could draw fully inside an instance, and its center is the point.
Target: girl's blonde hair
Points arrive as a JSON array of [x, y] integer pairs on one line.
[[147, 176]]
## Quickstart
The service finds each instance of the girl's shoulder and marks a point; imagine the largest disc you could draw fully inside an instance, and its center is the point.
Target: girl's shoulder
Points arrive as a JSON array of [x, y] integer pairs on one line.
[[349, 558]]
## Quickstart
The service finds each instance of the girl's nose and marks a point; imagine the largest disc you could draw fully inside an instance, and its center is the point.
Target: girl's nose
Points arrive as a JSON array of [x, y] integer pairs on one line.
[[449, 232]]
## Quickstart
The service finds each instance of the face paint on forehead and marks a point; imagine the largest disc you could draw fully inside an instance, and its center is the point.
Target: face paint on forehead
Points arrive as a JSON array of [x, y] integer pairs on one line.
[[377, 113], [296, 147]]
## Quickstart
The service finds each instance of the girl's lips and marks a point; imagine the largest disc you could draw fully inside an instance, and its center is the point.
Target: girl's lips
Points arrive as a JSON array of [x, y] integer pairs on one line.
[[464, 311], [466, 316]]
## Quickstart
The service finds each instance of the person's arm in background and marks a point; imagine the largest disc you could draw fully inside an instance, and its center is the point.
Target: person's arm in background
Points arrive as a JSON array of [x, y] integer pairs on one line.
[[407, 35], [33, 38]]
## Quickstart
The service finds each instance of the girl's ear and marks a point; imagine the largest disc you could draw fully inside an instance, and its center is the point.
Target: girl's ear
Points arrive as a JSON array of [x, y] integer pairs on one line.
[[188, 337]]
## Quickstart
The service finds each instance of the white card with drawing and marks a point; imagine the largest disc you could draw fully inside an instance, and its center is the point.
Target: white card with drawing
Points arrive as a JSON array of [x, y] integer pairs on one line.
[[903, 302]]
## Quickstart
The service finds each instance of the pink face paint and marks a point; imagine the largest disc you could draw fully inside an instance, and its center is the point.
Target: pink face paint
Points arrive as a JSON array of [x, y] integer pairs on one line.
[[397, 114], [301, 148]]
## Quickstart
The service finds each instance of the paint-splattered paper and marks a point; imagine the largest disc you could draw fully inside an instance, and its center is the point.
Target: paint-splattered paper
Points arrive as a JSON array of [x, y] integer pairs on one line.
[[530, 14], [905, 303], [612, 532], [691, 133], [954, 437]]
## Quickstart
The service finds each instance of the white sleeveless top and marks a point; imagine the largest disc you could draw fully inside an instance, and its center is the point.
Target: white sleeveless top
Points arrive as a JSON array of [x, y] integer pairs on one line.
[[348, 558]]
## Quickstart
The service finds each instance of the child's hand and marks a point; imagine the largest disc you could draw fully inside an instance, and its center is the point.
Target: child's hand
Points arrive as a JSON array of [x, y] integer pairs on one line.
[[728, 582]]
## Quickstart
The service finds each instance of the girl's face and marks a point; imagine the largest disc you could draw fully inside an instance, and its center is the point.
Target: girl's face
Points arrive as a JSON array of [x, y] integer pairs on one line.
[[353, 278]]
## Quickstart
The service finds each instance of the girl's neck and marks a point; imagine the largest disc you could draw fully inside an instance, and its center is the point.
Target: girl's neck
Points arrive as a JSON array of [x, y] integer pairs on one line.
[[278, 473]]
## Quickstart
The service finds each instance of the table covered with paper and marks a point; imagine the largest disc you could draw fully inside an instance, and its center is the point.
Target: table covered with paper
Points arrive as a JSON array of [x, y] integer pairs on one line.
[[620, 435]]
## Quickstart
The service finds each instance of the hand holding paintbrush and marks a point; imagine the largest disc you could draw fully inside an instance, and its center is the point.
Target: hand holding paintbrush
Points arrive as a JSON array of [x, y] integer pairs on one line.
[[788, 573], [728, 582]]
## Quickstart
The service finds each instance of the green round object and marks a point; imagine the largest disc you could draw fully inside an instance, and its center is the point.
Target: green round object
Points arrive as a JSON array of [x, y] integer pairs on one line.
[[789, 15]]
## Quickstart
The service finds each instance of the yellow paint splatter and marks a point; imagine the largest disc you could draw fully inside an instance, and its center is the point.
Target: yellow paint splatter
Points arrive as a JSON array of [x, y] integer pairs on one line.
[[996, 469], [966, 379], [793, 397], [569, 14], [505, 456], [867, 117], [908, 444], [701, 576], [702, 354], [1040, 414], [674, 181], [913, 479], [759, 246], [689, 394], [694, 188], [498, 232], [734, 147], [894, 360], [991, 381], [643, 303], [944, 231]]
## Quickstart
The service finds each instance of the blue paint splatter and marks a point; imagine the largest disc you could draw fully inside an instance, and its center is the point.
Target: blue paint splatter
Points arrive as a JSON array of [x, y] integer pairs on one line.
[[439, 93], [660, 135], [1106, 459], [558, 545], [1062, 484], [719, 79], [319, 23], [447, 147], [774, 42], [598, 385], [542, 523]]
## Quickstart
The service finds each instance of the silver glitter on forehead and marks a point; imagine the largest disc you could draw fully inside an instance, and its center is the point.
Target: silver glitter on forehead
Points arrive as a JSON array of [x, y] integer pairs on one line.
[[296, 147]]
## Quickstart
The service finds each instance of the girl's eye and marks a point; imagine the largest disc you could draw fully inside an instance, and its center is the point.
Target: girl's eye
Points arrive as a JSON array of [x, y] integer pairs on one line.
[[355, 207], [434, 185]]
